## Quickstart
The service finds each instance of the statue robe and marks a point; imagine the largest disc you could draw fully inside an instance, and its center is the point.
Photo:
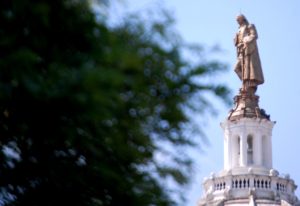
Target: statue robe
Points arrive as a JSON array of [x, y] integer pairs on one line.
[[248, 66]]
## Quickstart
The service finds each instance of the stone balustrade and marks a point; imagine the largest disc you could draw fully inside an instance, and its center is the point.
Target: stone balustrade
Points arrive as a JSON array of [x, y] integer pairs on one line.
[[240, 186]]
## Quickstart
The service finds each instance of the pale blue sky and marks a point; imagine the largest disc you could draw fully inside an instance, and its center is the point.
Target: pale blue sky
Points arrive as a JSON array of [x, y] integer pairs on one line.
[[211, 22]]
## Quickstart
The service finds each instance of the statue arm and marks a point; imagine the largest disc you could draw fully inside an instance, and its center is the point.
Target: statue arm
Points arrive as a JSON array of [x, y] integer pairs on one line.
[[252, 34], [235, 40], [250, 40]]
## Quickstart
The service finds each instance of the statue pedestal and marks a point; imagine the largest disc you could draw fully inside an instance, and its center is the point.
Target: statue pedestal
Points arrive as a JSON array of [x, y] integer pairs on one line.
[[246, 105]]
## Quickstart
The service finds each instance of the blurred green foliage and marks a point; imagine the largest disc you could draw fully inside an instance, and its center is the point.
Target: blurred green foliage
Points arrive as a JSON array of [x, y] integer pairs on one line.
[[85, 108]]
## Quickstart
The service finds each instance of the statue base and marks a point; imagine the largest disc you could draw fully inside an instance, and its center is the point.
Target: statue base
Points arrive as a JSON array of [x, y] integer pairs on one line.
[[246, 105]]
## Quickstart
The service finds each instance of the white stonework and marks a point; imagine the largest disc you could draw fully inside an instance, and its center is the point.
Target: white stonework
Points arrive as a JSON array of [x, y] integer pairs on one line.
[[248, 177], [247, 142]]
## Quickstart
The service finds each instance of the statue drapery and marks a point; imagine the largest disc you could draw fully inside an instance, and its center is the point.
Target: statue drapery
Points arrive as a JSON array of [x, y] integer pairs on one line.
[[248, 66]]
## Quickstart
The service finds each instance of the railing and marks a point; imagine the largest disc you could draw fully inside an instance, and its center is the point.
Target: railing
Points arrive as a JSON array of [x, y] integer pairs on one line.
[[240, 183], [259, 183], [232, 187], [220, 186], [281, 187], [250, 181]]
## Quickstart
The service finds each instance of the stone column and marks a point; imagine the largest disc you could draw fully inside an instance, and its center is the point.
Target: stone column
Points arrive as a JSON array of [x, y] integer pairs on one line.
[[227, 152], [269, 162], [243, 150], [235, 151], [257, 150]]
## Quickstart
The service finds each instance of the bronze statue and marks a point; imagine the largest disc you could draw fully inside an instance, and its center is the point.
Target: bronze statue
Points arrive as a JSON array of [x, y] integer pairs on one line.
[[248, 69], [248, 66]]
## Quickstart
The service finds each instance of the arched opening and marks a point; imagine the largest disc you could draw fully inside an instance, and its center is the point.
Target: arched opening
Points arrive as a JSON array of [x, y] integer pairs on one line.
[[249, 149]]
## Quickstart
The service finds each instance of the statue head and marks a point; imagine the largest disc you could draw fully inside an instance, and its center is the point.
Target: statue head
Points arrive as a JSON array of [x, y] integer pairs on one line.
[[241, 19]]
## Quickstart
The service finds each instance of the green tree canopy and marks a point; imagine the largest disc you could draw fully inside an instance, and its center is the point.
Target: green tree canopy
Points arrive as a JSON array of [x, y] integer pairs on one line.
[[85, 108]]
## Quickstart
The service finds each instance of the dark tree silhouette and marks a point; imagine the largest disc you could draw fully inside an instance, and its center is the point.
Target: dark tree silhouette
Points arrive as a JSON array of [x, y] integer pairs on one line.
[[83, 106]]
